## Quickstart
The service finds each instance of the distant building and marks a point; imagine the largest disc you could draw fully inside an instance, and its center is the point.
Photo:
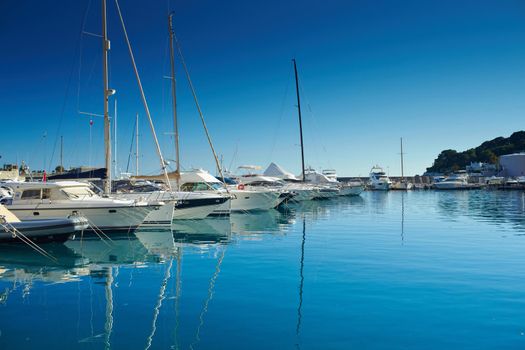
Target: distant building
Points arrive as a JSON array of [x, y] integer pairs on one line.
[[512, 165], [481, 169]]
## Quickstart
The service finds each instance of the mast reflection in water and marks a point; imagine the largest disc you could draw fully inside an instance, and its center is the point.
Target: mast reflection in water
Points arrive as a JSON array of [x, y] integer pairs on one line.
[[328, 274]]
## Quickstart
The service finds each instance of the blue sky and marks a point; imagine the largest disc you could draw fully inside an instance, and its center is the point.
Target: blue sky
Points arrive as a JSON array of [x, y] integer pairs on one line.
[[440, 74]]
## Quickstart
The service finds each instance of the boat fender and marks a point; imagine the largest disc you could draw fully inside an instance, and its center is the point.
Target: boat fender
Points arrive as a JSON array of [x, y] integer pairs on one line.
[[240, 187]]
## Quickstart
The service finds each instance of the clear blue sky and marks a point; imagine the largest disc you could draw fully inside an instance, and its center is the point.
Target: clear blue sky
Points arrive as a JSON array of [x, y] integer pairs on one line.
[[441, 74]]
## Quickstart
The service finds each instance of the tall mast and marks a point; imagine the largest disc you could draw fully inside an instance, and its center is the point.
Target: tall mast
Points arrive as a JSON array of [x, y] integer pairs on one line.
[[174, 98], [137, 145], [115, 160], [107, 93], [61, 153], [402, 170], [300, 117]]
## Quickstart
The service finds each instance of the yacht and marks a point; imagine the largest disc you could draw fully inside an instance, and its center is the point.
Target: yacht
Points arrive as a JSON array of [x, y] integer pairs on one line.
[[41, 200], [329, 186], [378, 179], [456, 181], [303, 191], [242, 197]]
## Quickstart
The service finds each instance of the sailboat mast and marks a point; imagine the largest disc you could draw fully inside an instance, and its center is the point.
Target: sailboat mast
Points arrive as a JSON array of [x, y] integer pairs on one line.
[[137, 145], [115, 165], [107, 126], [300, 117], [402, 170], [61, 154], [174, 97]]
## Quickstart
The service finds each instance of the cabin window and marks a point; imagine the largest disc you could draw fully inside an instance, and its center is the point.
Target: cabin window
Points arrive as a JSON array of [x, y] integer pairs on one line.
[[31, 194], [78, 192], [194, 186], [46, 192]]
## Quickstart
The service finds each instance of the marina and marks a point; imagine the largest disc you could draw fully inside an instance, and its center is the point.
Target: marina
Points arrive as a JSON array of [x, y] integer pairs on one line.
[[236, 175]]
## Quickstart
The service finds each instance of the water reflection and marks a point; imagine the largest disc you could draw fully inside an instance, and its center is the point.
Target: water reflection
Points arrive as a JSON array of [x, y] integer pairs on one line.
[[495, 207]]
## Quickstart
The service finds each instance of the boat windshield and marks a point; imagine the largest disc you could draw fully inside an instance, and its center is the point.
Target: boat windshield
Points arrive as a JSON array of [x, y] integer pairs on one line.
[[200, 186], [78, 192]]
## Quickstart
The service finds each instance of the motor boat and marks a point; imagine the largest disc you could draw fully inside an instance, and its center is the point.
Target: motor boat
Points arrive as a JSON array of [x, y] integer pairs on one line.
[[187, 205], [329, 186], [402, 186], [456, 181], [42, 200], [379, 181], [242, 198], [12, 230]]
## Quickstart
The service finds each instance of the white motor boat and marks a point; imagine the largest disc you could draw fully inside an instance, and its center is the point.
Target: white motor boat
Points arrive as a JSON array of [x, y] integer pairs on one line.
[[456, 181], [42, 200], [379, 181], [12, 230], [329, 186], [242, 198]]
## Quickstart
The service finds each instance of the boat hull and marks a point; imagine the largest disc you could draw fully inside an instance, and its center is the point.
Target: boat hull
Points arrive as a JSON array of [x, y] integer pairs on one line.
[[107, 219], [40, 231], [248, 200]]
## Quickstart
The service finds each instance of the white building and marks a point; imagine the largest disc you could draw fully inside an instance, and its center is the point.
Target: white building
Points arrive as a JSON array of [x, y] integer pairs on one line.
[[512, 165]]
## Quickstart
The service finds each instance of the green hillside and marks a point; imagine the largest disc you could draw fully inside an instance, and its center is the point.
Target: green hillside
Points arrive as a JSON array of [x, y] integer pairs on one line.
[[488, 152]]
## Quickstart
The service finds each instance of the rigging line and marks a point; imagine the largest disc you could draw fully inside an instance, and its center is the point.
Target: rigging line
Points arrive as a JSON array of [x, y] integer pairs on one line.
[[281, 113], [131, 146], [193, 92], [80, 54], [143, 96], [313, 123], [68, 86]]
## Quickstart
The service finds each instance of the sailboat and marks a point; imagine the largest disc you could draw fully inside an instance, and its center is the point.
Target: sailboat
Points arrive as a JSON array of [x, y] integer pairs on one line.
[[188, 206], [328, 185], [37, 200], [403, 184]]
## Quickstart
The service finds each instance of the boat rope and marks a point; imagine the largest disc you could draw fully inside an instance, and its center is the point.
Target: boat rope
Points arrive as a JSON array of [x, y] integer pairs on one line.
[[201, 115], [68, 86], [211, 288], [17, 234], [281, 113], [162, 296], [103, 236], [163, 163]]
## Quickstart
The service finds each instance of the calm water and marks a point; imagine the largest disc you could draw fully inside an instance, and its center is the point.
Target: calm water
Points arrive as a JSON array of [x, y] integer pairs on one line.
[[420, 270]]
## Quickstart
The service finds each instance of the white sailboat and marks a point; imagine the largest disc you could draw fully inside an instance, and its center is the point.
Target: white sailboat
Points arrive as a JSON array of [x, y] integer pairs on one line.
[[403, 184]]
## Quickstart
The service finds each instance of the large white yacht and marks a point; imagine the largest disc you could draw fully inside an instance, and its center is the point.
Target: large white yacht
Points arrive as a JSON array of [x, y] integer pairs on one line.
[[456, 181], [242, 198], [39, 200], [379, 181]]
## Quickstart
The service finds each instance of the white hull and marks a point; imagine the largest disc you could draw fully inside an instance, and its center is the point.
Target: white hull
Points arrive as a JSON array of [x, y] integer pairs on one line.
[[449, 185], [248, 200], [189, 205], [380, 186], [351, 190], [162, 215], [403, 186], [104, 218]]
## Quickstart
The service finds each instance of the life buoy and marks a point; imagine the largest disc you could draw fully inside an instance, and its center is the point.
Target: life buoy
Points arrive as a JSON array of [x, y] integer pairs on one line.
[[240, 187]]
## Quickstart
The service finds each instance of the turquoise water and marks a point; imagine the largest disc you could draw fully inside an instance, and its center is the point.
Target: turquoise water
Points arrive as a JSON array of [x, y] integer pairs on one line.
[[419, 270]]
